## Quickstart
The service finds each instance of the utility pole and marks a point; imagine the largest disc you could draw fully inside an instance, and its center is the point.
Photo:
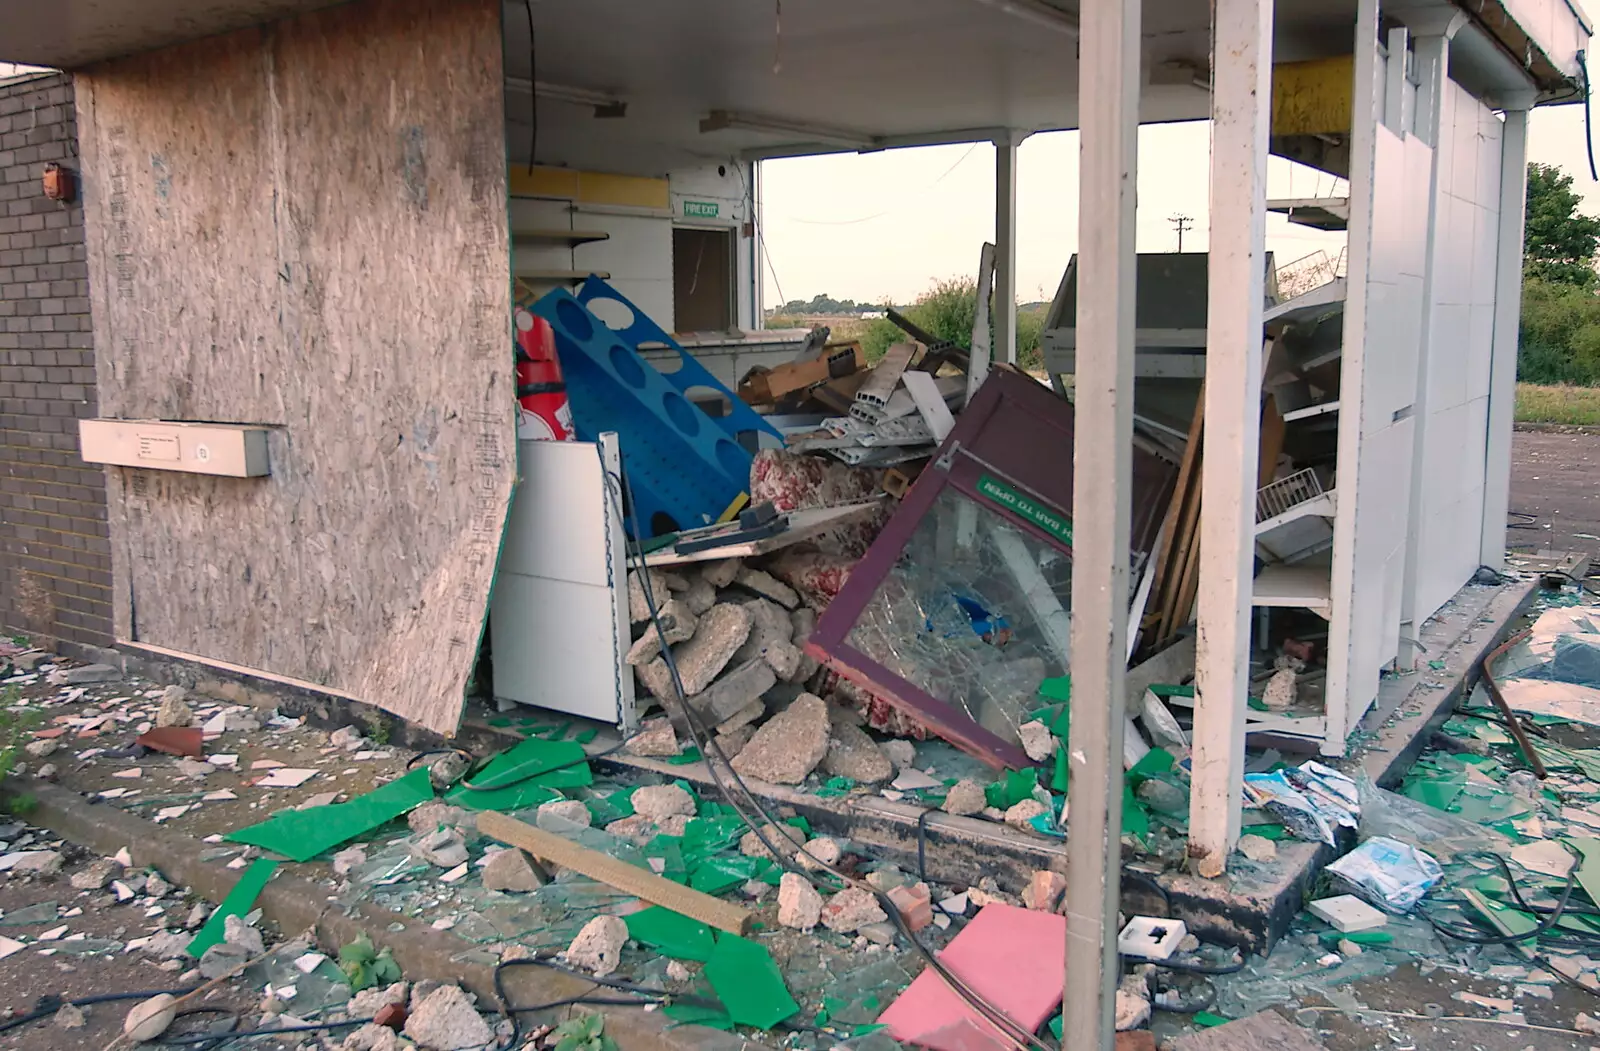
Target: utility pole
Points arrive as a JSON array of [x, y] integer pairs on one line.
[[1181, 223]]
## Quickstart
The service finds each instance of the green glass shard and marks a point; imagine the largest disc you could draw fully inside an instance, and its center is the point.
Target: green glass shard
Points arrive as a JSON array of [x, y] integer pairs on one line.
[[685, 757], [1156, 762], [1012, 789], [695, 1014], [671, 933], [1057, 689], [523, 776], [715, 875], [237, 903], [670, 850], [301, 835], [748, 983]]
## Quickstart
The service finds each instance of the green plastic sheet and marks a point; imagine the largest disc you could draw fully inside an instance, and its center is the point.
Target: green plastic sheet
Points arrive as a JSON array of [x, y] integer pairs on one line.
[[748, 982], [525, 776], [237, 903], [1012, 789], [301, 835], [671, 933]]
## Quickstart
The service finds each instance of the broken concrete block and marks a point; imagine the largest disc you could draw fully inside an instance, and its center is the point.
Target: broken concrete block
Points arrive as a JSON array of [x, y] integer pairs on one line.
[[598, 947], [751, 846], [173, 710], [851, 909], [768, 586], [656, 678], [699, 596], [718, 636], [150, 1018], [38, 863], [656, 737], [818, 853], [638, 606], [1044, 890], [443, 847], [721, 573], [789, 745], [435, 815], [1133, 1011], [636, 828], [1257, 848], [733, 742], [769, 624], [674, 824], [347, 860], [347, 737], [965, 798], [91, 673], [914, 904], [221, 959], [853, 754], [235, 931], [803, 621], [96, 874], [447, 1021], [677, 622], [510, 870], [659, 801], [40, 749], [1037, 740], [743, 717], [372, 1037], [784, 659], [563, 815], [1021, 815], [735, 691], [1279, 694], [799, 904]]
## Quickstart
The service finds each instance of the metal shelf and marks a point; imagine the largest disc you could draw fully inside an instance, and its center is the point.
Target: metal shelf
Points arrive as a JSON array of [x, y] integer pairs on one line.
[[1295, 587], [571, 237]]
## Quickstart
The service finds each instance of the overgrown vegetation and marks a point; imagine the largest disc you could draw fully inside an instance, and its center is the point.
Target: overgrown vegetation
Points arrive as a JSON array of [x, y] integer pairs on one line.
[[584, 1033], [364, 966], [1560, 332], [822, 303], [1575, 406], [947, 311], [17, 722]]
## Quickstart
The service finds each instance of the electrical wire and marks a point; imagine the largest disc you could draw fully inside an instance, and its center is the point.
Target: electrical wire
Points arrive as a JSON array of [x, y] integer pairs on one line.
[[709, 747], [49, 1005], [533, 78], [1588, 132]]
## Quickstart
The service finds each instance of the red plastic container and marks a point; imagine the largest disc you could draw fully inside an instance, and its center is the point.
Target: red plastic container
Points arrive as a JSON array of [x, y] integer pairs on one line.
[[544, 414]]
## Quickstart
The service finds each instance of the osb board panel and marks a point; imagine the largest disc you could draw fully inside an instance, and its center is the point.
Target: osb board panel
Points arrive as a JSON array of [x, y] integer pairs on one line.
[[304, 226]]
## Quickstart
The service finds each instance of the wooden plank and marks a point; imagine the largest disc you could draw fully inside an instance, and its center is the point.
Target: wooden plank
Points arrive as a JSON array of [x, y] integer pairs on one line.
[[641, 883], [303, 226], [803, 525], [1187, 475]]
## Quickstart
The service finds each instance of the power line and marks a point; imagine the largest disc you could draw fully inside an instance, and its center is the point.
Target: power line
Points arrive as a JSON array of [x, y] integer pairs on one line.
[[1181, 223]]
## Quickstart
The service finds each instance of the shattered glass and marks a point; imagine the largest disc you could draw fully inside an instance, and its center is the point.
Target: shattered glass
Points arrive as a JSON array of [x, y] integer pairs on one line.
[[974, 612]]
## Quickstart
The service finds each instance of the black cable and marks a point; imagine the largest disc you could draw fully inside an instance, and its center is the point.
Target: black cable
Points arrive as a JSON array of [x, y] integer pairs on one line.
[[1576, 580], [1475, 936], [1185, 1007], [614, 749], [922, 843], [697, 729], [1588, 132], [1204, 969], [49, 1005], [533, 89]]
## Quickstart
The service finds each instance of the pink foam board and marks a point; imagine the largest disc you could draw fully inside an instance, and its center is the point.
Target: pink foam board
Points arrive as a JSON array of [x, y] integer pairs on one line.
[[1014, 958]]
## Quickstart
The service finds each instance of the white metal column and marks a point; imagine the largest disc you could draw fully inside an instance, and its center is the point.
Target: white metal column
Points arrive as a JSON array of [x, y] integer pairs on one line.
[[1431, 45], [1005, 248], [1108, 88], [1241, 104], [1507, 317]]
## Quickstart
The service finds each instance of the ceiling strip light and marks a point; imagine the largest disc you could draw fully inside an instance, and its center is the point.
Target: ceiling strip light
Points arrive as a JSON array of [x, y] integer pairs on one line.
[[1039, 13], [723, 120]]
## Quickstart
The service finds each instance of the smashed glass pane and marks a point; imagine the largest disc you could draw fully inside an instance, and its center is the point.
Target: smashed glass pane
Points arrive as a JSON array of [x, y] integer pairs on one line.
[[974, 612]]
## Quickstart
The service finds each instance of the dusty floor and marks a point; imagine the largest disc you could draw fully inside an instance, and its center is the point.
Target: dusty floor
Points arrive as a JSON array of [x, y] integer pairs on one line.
[[1554, 480]]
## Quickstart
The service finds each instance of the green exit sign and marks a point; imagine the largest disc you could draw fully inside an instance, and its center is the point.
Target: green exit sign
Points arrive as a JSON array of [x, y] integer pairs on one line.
[[701, 209]]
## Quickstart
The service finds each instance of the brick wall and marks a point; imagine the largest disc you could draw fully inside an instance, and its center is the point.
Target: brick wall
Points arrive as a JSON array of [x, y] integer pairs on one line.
[[55, 552]]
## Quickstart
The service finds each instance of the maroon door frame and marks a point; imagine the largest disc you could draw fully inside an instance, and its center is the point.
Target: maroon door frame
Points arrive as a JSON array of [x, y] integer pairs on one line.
[[1016, 431]]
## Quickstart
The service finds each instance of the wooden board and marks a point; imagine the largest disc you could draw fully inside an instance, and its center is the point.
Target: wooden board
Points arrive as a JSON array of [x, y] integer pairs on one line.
[[304, 226], [614, 872]]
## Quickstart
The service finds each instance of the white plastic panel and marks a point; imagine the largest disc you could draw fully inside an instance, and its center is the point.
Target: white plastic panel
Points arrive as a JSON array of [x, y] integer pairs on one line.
[[1459, 350], [558, 619]]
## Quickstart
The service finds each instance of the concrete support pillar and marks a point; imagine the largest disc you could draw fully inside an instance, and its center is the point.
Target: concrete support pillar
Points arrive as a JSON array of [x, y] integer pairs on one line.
[[1507, 316], [1241, 105], [1108, 80], [1005, 248]]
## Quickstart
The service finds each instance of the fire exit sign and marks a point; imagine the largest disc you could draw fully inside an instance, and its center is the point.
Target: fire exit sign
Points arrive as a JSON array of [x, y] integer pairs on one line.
[[701, 209]]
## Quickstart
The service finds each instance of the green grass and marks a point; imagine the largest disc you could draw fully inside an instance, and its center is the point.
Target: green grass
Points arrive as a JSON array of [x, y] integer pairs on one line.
[[1558, 404]]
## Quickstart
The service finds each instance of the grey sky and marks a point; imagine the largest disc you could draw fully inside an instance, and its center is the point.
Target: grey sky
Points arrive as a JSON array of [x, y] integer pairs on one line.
[[883, 226]]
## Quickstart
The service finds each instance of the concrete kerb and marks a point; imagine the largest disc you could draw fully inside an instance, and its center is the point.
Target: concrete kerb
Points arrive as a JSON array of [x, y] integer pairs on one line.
[[295, 905], [1250, 913]]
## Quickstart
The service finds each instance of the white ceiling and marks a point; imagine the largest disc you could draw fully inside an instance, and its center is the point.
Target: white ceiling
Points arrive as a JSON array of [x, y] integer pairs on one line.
[[70, 33], [901, 70]]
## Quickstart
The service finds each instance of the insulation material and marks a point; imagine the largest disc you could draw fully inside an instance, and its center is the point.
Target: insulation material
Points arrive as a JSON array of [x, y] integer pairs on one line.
[[303, 226]]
